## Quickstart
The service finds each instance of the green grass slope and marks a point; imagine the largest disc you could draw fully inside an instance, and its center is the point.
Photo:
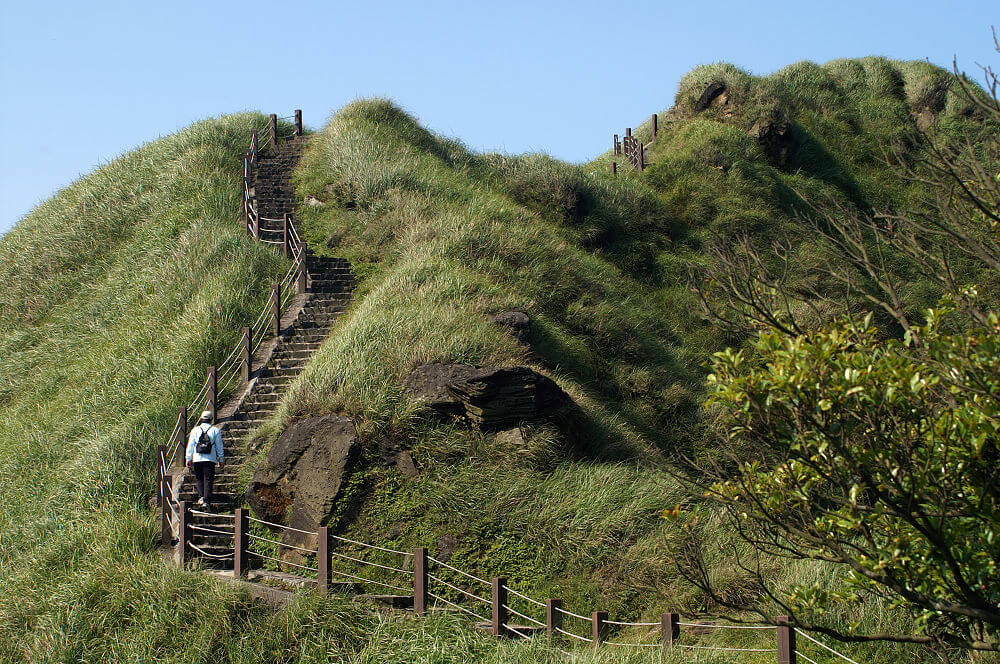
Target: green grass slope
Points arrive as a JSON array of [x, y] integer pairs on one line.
[[443, 238], [125, 285]]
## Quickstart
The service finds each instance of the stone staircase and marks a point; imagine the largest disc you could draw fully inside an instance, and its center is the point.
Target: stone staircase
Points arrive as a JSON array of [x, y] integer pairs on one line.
[[273, 179], [329, 287]]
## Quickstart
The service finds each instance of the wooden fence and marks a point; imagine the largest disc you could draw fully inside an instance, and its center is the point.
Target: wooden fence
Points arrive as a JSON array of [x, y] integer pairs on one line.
[[632, 148]]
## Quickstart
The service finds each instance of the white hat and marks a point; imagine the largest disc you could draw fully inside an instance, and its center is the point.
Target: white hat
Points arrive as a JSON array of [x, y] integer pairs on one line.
[[207, 415]]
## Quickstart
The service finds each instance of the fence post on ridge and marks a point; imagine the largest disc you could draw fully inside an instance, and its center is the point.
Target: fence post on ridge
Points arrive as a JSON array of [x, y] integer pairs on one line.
[[420, 581], [181, 429], [654, 123], [246, 366], [183, 532], [286, 235], [166, 532], [276, 308], [669, 629], [161, 462], [240, 541], [553, 619], [618, 145], [323, 560], [298, 122], [272, 127], [499, 606], [300, 280], [599, 627], [213, 389], [786, 641], [614, 168]]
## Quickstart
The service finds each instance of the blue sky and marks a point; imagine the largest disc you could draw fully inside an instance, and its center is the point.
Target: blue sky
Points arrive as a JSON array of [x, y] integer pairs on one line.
[[83, 82]]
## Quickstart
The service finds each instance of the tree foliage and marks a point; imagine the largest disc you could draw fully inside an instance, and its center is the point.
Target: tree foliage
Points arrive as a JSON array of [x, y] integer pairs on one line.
[[871, 449]]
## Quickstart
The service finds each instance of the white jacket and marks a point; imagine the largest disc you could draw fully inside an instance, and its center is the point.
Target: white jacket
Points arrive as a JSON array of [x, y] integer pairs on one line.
[[217, 455]]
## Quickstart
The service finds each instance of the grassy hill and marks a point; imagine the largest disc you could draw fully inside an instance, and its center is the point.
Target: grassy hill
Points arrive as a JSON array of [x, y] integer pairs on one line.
[[125, 285]]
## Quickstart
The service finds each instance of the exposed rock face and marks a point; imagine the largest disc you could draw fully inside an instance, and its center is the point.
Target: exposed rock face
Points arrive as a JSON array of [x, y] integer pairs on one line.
[[299, 482], [517, 323], [429, 383], [712, 92], [492, 398], [774, 136]]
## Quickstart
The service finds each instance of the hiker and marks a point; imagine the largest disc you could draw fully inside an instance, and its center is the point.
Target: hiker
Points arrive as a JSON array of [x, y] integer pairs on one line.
[[204, 450]]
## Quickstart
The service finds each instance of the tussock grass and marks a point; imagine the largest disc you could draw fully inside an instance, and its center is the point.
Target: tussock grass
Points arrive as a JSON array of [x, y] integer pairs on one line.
[[122, 287]]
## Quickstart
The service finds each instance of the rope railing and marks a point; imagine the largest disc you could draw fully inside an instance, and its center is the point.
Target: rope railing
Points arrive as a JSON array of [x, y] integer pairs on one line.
[[213, 556], [282, 544], [468, 594], [280, 561], [717, 626], [458, 606], [826, 647], [372, 546], [370, 563], [723, 649], [371, 581], [455, 569]]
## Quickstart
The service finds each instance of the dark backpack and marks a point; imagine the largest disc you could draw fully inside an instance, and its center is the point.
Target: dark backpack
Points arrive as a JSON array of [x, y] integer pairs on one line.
[[204, 444]]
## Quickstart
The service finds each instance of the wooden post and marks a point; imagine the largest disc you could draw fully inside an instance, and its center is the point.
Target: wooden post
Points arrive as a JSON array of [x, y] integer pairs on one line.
[[213, 389], [161, 461], [553, 619], [298, 122], [500, 614], [786, 641], [669, 629], [653, 122], [180, 443], [272, 127], [628, 132], [241, 562], [300, 280], [614, 168], [256, 218], [420, 581], [618, 145], [286, 236], [246, 364], [599, 627], [642, 156], [183, 532], [276, 308], [166, 532], [323, 560]]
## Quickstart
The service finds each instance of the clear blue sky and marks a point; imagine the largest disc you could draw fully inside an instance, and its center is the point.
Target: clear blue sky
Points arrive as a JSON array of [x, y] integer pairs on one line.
[[83, 82]]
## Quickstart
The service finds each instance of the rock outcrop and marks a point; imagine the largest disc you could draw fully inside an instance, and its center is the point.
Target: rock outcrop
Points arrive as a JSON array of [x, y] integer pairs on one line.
[[299, 482], [774, 135], [492, 398], [518, 323]]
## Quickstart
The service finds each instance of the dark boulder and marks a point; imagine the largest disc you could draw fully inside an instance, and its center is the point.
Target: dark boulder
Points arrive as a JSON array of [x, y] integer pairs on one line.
[[429, 383], [298, 484], [492, 398], [775, 137], [517, 323], [713, 91]]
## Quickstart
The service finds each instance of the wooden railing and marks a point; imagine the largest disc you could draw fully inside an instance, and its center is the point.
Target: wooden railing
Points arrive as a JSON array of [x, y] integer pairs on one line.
[[632, 148]]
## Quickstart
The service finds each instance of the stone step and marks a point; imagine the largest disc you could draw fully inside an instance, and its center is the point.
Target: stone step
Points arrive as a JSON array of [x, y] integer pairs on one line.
[[395, 601]]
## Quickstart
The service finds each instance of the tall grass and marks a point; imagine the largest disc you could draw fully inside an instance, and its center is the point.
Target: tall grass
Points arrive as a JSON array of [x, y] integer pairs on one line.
[[124, 286]]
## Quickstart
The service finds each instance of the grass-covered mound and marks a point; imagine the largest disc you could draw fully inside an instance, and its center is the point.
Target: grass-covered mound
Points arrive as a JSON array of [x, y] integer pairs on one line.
[[118, 292], [443, 238], [123, 287]]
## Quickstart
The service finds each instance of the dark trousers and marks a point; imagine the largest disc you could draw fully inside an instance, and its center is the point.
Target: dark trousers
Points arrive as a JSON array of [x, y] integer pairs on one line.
[[204, 478]]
